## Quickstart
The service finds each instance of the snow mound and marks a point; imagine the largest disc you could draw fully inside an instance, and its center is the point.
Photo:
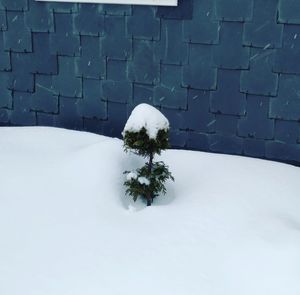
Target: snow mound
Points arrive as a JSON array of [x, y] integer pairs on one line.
[[227, 226], [148, 117]]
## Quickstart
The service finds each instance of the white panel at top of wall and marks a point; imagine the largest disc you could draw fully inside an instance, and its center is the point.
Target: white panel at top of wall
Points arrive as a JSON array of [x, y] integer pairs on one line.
[[138, 2]]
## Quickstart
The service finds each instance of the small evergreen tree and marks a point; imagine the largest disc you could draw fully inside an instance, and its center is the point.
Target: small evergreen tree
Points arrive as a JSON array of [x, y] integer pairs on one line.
[[148, 181]]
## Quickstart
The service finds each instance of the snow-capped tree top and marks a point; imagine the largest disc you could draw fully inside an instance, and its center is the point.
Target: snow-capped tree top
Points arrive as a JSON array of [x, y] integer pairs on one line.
[[146, 116]]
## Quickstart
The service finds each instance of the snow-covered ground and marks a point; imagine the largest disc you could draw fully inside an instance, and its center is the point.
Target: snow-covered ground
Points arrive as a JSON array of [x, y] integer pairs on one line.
[[228, 225]]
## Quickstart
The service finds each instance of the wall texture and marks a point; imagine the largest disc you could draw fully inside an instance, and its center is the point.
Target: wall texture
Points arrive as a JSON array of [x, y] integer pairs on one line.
[[225, 72]]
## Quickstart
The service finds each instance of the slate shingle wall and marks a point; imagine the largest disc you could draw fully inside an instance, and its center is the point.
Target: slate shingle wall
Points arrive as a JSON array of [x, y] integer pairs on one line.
[[225, 72]]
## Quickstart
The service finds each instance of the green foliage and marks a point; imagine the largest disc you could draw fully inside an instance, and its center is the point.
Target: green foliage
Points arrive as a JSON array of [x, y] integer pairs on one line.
[[142, 145], [157, 177], [148, 181]]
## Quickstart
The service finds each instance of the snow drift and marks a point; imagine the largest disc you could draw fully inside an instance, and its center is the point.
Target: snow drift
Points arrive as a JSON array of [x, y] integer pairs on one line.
[[228, 225]]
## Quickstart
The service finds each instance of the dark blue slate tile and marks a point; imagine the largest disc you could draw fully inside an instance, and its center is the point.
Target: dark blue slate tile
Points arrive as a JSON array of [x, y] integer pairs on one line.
[[117, 91], [93, 125], [285, 58], [5, 93], [170, 92], [226, 124], [143, 68], [68, 116], [285, 108], [115, 44], [286, 105], [21, 77], [286, 131], [3, 23], [143, 24], [265, 9], [130, 106], [44, 119], [291, 37], [171, 49], [199, 73], [92, 105], [18, 37], [264, 31], [22, 114], [22, 63], [228, 99], [14, 5], [117, 115], [237, 56], [202, 28], [283, 151], [234, 10], [42, 60], [4, 116], [178, 139], [285, 62], [180, 60], [198, 117], [176, 118], [225, 144], [260, 79], [64, 41], [88, 20], [289, 11], [257, 123], [198, 141], [44, 98], [142, 94], [113, 9], [60, 7], [65, 83], [4, 56], [254, 147], [263, 35], [117, 70], [184, 10], [90, 64], [38, 18]]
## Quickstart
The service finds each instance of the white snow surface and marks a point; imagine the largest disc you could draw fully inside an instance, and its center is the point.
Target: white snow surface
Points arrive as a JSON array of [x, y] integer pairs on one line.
[[227, 226], [145, 115], [143, 180], [131, 175]]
